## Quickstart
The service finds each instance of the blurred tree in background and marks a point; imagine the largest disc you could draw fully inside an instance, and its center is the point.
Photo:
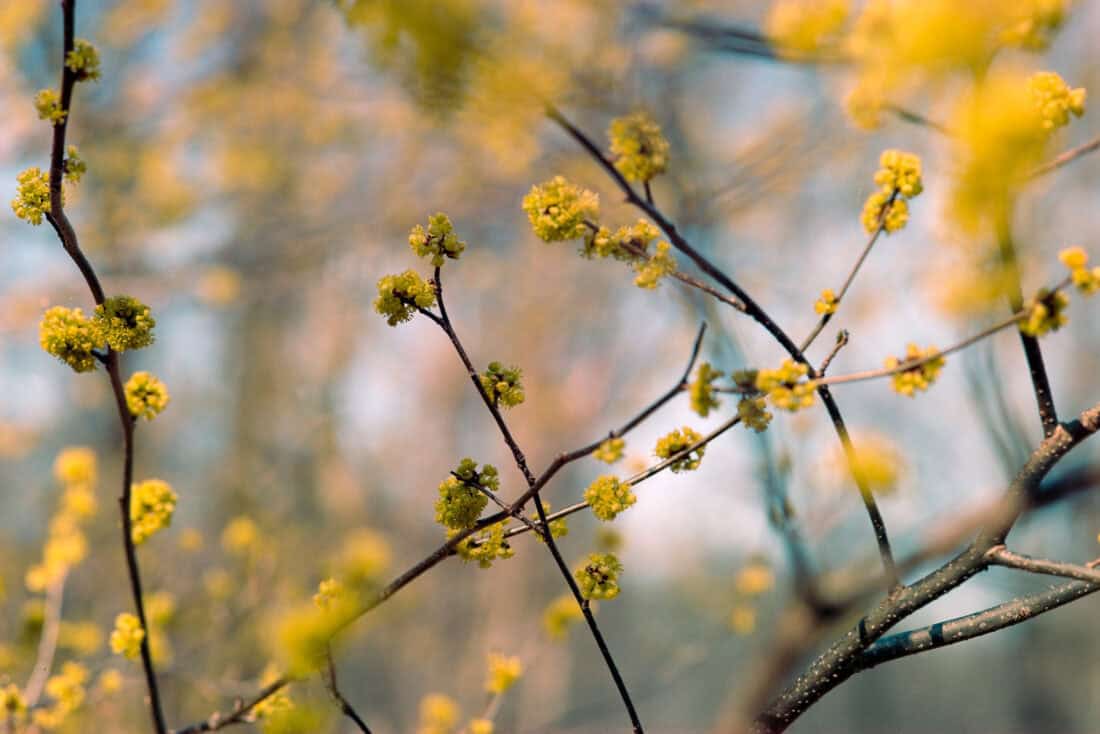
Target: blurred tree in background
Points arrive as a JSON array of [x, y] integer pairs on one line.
[[909, 173]]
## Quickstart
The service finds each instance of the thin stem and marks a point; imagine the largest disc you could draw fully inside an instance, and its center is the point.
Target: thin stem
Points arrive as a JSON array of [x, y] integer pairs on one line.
[[1067, 157], [1002, 556], [238, 715], [67, 235], [917, 119], [761, 316], [1048, 414], [47, 643], [532, 482], [334, 690]]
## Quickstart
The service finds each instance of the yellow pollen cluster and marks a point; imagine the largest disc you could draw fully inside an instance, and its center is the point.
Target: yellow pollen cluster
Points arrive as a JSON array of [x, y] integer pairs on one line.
[[559, 210], [48, 105], [68, 335], [504, 671], [127, 636], [607, 496], [678, 441], [1054, 100], [920, 377], [152, 503], [898, 179], [399, 296], [827, 304], [438, 242], [785, 387], [701, 390], [598, 576], [610, 451], [146, 396], [638, 149], [32, 197], [1046, 313], [1085, 280]]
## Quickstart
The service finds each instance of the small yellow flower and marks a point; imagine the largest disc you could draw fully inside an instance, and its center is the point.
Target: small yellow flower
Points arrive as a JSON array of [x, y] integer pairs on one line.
[[918, 378], [827, 304], [785, 388], [480, 726], [276, 703], [801, 27], [460, 501], [32, 199], [438, 714], [638, 149], [754, 579], [560, 615], [678, 441], [658, 265], [125, 323], [152, 503], [438, 242], [68, 335], [701, 390], [400, 296], [75, 465], [1046, 313], [502, 384], [901, 172], [607, 497], [598, 576], [485, 546], [75, 167], [504, 671], [109, 681], [877, 463], [558, 210], [84, 60], [1085, 280], [48, 105], [13, 705], [127, 636], [610, 451], [146, 396], [1054, 100], [240, 536]]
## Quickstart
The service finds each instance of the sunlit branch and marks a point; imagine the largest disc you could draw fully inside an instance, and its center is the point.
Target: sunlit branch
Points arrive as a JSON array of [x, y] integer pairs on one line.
[[1066, 158], [47, 642]]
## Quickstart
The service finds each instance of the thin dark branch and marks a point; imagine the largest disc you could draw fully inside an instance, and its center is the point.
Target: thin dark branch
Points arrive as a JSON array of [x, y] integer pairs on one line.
[[69, 241], [1040, 382], [239, 715], [758, 314], [334, 690], [532, 484]]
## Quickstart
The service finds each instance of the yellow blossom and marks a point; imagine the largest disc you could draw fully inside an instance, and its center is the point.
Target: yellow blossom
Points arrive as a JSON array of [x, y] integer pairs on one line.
[[32, 199], [152, 503], [83, 60], [485, 546], [75, 167], [876, 463], [610, 451], [638, 149], [48, 105], [125, 323], [1054, 100], [607, 496], [146, 396], [658, 265], [1046, 312], [561, 614], [400, 296], [678, 441], [827, 303], [240, 536], [13, 706], [559, 210], [480, 726], [803, 27], [68, 335], [75, 465], [701, 390], [275, 703], [1076, 259], [598, 576], [127, 636], [504, 671], [109, 681], [785, 387], [363, 558], [438, 714], [438, 242], [921, 377]]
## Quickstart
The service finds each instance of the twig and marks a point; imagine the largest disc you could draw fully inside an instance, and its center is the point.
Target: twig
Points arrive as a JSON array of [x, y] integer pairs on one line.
[[1065, 158], [758, 314], [47, 643], [239, 714], [532, 481], [334, 690], [917, 119], [1002, 556], [67, 235]]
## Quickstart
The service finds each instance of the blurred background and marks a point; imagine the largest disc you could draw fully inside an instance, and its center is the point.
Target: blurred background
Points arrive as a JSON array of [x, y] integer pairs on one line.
[[255, 167]]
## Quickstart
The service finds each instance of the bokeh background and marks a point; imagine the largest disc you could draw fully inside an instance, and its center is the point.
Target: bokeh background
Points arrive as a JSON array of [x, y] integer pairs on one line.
[[254, 168]]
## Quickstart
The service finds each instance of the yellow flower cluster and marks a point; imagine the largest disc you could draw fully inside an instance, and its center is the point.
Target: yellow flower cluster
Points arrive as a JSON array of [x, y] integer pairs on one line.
[[921, 377], [1034, 23], [559, 210], [277, 702], [125, 323], [558, 527], [486, 546], [876, 463], [48, 105], [754, 579], [560, 615], [152, 503], [753, 413], [607, 496], [364, 557], [1076, 259], [146, 396], [480, 726], [677, 441], [460, 501], [13, 705], [638, 149], [898, 179], [241, 536], [1054, 100], [598, 576], [802, 27], [1046, 312], [438, 714], [701, 390], [127, 636], [504, 671], [68, 335], [827, 304], [329, 593], [32, 197], [66, 546], [83, 60], [75, 167], [304, 631], [502, 385], [610, 451], [400, 296], [628, 242], [660, 263], [785, 388], [68, 693], [438, 242]]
